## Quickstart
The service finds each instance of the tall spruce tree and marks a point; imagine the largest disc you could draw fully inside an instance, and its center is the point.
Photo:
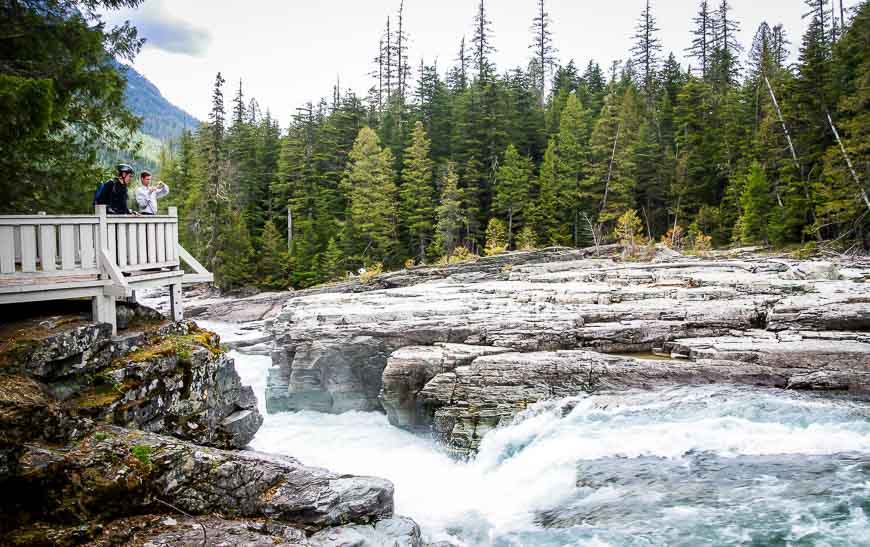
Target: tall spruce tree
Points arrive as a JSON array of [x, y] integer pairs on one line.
[[542, 47], [450, 217], [369, 181], [417, 193], [646, 50], [512, 188]]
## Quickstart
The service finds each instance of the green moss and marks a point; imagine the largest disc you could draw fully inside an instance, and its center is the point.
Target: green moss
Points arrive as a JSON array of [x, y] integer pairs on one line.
[[142, 453], [181, 346], [101, 436], [96, 396]]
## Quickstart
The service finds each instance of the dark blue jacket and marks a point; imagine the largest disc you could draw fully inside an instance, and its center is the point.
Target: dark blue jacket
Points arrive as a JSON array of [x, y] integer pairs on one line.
[[113, 194]]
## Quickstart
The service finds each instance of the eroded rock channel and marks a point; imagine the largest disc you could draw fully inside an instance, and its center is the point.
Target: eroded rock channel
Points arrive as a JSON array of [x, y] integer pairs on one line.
[[457, 351]]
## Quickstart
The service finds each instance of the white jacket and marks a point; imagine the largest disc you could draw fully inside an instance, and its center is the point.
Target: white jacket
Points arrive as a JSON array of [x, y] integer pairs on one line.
[[147, 200]]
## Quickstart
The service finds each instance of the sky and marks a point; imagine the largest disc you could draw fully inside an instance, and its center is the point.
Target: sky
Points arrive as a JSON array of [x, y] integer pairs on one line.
[[289, 52]]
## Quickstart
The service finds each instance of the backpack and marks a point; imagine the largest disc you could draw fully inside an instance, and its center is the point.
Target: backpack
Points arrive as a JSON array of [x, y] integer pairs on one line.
[[103, 194]]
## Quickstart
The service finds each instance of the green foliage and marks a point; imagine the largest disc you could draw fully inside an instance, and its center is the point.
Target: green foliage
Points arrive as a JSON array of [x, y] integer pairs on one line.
[[756, 204], [142, 453], [450, 216], [512, 188], [61, 102], [628, 232], [369, 184], [527, 239], [417, 192], [496, 237], [418, 169], [273, 260]]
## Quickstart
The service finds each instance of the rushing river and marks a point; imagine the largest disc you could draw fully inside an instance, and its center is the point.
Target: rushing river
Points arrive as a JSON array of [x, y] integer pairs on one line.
[[695, 466]]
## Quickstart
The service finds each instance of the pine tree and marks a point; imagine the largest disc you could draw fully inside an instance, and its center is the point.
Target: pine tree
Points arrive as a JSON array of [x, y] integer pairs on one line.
[[512, 188], [496, 237], [449, 215], [542, 46], [332, 261], [273, 260], [552, 216], [756, 205], [369, 182], [725, 61], [482, 41], [574, 133], [417, 192], [703, 38], [646, 50], [234, 260]]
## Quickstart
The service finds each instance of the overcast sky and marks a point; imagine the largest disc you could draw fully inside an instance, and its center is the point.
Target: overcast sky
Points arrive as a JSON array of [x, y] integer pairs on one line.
[[289, 52]]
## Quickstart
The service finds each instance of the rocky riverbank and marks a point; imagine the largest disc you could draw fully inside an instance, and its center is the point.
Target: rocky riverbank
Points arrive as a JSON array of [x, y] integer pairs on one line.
[[135, 440], [455, 351]]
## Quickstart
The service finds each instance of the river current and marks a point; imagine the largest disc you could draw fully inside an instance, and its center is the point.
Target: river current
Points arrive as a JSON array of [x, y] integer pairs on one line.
[[712, 465]]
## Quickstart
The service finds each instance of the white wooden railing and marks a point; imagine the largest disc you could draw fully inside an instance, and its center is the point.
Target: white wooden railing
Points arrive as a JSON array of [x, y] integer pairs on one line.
[[103, 256]]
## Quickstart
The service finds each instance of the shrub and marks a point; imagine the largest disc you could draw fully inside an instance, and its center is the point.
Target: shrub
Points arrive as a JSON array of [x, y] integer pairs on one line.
[[527, 239], [496, 237], [675, 238], [628, 233], [367, 274]]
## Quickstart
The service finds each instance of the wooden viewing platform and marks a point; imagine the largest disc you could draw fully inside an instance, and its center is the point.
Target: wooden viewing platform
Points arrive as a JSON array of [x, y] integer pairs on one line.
[[99, 256]]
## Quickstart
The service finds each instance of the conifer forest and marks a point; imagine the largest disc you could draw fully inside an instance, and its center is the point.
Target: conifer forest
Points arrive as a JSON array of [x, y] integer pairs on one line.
[[759, 143]]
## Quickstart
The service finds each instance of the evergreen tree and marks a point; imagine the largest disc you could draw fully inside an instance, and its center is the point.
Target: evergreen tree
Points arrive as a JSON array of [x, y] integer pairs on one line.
[[756, 205], [542, 46], [552, 216], [449, 215], [272, 260], [417, 192], [62, 101], [482, 41], [646, 50], [512, 188], [574, 164], [369, 182], [703, 38]]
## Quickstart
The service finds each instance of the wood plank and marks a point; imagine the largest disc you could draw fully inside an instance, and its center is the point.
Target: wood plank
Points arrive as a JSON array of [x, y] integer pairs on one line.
[[152, 243], [67, 247], [48, 284], [7, 249], [50, 294], [160, 242], [144, 219], [142, 243], [113, 243], [41, 220], [86, 246], [132, 246], [151, 266], [171, 241], [28, 248], [47, 248], [122, 245]]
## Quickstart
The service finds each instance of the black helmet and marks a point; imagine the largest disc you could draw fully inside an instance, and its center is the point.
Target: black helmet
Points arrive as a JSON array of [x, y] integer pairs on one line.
[[124, 168]]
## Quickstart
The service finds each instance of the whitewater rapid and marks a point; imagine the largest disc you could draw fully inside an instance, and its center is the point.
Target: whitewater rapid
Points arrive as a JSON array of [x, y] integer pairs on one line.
[[712, 465]]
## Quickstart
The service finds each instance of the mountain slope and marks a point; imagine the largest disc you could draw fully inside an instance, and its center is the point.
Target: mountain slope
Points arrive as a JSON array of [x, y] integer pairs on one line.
[[160, 118]]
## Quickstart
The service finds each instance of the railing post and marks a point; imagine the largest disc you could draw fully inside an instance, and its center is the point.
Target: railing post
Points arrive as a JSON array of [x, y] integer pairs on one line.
[[176, 301], [103, 306]]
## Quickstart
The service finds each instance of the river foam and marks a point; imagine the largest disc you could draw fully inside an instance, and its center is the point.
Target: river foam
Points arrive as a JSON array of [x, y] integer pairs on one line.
[[704, 465]]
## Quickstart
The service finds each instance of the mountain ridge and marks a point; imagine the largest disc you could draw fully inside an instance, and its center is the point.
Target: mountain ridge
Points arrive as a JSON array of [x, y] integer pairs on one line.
[[160, 118]]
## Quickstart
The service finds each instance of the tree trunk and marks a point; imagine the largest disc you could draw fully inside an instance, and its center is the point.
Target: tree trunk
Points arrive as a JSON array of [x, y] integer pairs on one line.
[[848, 161]]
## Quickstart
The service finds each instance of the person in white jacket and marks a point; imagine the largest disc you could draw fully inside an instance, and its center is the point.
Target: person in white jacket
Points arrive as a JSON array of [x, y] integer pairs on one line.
[[147, 195]]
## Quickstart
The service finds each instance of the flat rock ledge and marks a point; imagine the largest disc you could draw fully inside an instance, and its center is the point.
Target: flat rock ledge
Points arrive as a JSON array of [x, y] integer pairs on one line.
[[457, 350]]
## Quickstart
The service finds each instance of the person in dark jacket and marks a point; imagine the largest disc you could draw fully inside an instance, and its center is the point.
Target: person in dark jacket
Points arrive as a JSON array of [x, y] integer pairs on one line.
[[113, 193]]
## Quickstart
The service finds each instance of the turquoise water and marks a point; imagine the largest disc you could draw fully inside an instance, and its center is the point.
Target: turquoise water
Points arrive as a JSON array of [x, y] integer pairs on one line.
[[713, 465]]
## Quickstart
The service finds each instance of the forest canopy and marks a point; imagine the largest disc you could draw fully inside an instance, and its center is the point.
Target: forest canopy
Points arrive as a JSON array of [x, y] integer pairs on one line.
[[738, 143]]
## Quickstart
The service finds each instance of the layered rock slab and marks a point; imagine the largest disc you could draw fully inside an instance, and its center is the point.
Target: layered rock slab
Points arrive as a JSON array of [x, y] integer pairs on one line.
[[330, 346]]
